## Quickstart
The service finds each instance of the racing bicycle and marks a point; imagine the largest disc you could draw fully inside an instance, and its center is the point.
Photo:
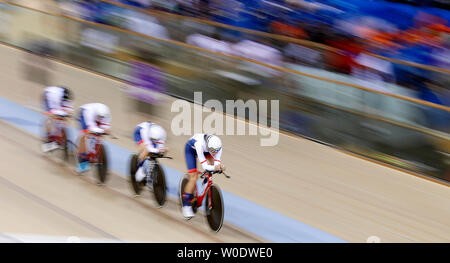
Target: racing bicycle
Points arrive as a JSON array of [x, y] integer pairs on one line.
[[214, 206], [96, 155], [58, 137], [155, 177]]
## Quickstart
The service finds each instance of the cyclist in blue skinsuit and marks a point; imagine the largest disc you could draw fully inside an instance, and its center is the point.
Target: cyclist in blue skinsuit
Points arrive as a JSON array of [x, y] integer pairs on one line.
[[208, 149]]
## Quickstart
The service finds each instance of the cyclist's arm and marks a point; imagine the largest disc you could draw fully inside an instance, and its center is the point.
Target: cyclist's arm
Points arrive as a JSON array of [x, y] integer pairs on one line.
[[53, 106], [67, 107], [152, 149], [201, 157], [160, 144], [106, 125], [52, 101], [59, 112], [89, 119], [96, 130], [217, 158]]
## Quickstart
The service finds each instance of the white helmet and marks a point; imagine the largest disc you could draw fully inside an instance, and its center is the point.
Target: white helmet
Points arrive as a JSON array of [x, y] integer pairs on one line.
[[102, 112], [213, 143], [156, 133]]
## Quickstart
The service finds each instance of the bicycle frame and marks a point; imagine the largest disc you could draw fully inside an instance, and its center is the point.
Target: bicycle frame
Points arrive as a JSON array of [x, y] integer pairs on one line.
[[93, 155], [205, 190], [58, 125], [153, 158]]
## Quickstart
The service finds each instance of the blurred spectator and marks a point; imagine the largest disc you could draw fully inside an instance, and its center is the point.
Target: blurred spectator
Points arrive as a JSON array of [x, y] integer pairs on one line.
[[287, 29], [203, 6], [87, 10], [417, 37], [165, 5], [303, 55], [342, 59], [414, 36], [338, 61], [261, 52], [225, 11], [146, 25], [99, 40], [441, 54], [189, 7], [138, 3], [373, 71], [209, 43], [440, 57], [436, 119], [318, 33]]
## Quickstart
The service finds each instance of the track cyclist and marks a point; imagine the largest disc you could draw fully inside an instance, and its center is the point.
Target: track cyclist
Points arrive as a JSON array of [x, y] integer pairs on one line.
[[208, 149], [57, 102], [94, 118], [150, 138]]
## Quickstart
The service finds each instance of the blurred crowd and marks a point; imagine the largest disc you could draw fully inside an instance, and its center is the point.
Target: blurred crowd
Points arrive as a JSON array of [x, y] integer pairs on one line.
[[404, 31]]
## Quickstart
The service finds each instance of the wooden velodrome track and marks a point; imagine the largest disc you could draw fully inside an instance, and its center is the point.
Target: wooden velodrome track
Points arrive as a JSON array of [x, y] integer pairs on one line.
[[343, 195]]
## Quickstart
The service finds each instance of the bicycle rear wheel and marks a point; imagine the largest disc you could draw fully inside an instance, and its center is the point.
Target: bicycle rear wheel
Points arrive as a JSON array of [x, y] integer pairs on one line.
[[215, 213], [137, 186], [102, 164], [183, 183], [159, 184]]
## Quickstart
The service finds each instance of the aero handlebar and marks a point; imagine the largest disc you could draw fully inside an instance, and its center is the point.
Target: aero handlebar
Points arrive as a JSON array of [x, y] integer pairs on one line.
[[214, 172]]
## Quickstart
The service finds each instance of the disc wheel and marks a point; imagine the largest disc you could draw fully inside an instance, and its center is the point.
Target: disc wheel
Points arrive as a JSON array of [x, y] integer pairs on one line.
[[214, 208], [102, 165], [159, 184]]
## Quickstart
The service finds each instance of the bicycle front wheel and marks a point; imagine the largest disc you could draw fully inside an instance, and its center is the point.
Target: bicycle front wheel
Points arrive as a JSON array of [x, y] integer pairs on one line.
[[214, 210], [159, 185], [102, 165]]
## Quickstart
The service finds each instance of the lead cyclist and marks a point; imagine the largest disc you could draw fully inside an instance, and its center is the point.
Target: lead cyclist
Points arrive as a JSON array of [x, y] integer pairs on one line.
[[208, 149]]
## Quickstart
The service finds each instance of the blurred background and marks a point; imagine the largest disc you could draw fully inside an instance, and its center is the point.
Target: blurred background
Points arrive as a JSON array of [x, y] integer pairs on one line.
[[370, 77]]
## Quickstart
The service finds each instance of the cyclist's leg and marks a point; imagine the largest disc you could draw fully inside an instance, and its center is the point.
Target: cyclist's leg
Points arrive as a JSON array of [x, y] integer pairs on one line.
[[83, 160], [84, 133], [48, 127], [142, 149], [82, 155], [143, 152], [47, 113], [82, 143], [48, 144], [209, 158], [191, 162]]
